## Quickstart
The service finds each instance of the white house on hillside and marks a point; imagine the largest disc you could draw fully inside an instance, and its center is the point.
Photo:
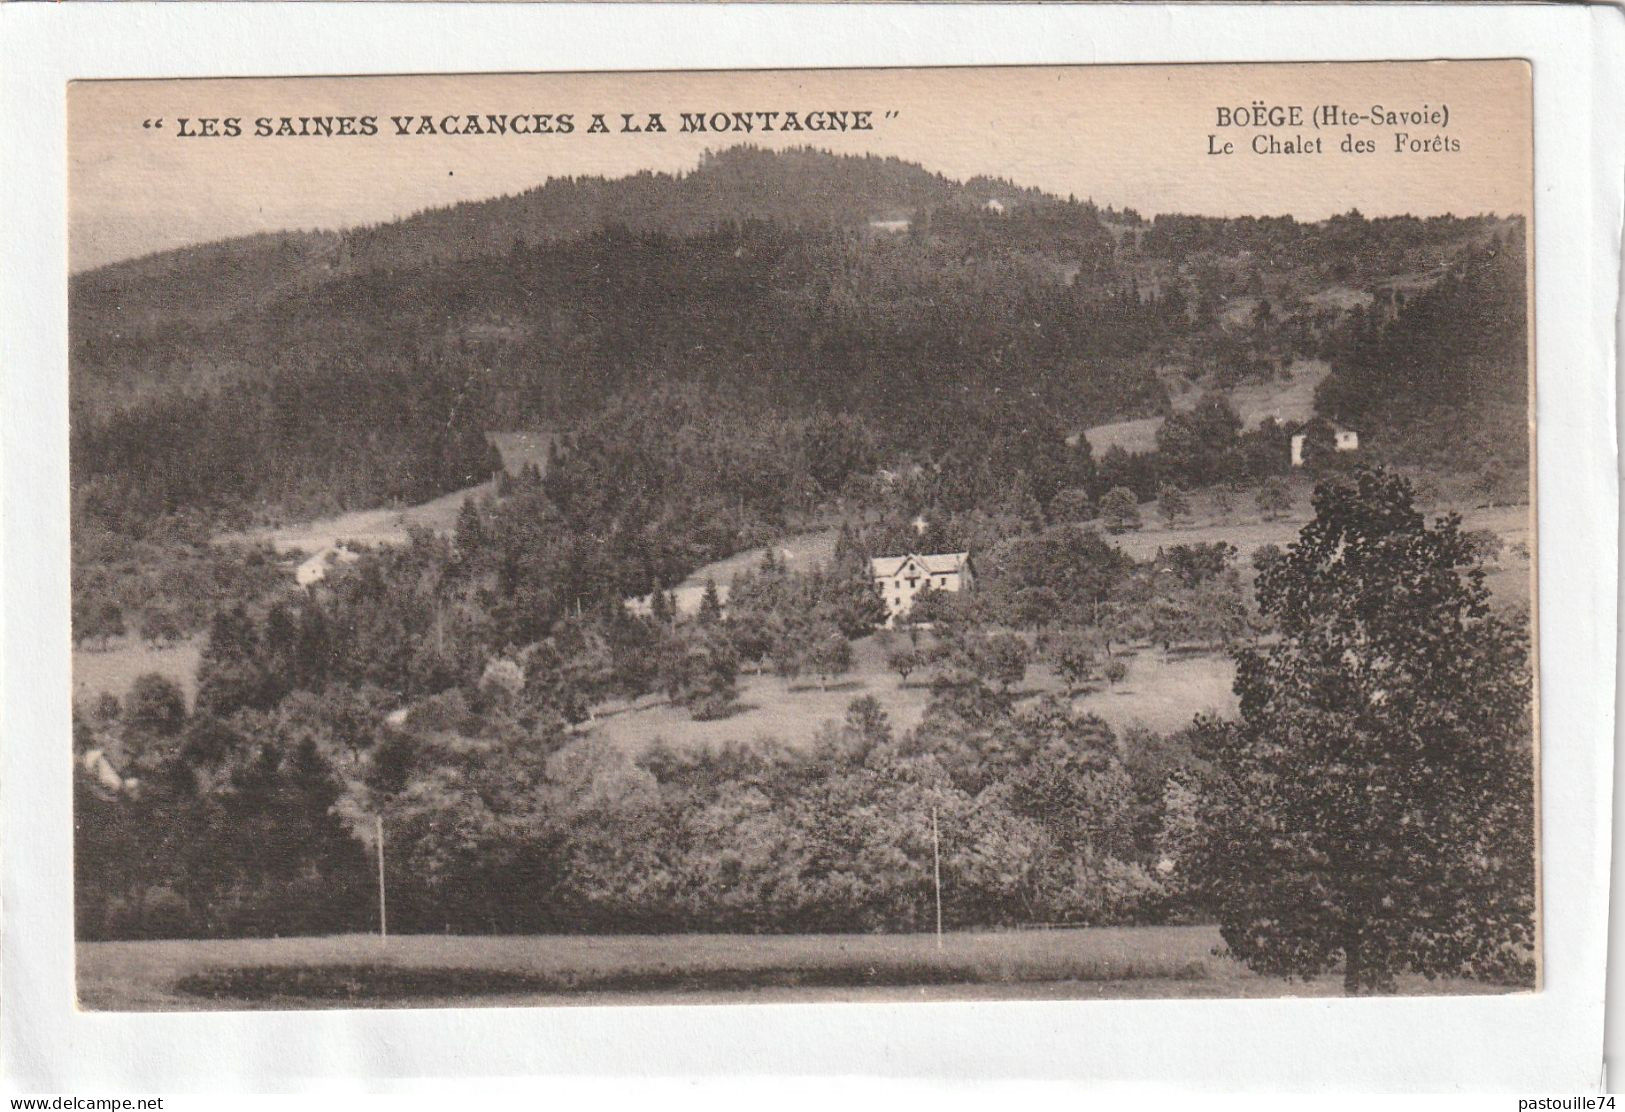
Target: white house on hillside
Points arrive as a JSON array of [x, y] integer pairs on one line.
[[900, 578], [1344, 440]]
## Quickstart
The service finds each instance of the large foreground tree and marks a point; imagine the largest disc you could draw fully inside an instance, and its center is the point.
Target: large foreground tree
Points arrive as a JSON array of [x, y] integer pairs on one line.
[[1374, 805]]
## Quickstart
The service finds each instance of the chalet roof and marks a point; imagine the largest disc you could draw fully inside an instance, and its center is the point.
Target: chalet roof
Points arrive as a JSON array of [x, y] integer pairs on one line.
[[938, 563]]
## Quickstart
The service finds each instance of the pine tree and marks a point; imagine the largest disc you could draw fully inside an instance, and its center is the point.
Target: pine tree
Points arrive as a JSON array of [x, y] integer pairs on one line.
[[230, 673], [1120, 510], [660, 608], [710, 605], [470, 534]]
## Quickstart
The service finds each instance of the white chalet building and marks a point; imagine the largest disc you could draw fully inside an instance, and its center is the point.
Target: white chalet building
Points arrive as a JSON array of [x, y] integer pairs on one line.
[[900, 578]]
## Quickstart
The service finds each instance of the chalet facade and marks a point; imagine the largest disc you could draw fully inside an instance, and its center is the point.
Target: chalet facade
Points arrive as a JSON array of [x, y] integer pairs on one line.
[[901, 578]]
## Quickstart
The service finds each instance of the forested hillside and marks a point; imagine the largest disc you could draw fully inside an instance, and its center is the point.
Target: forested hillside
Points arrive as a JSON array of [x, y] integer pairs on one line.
[[858, 350], [286, 376]]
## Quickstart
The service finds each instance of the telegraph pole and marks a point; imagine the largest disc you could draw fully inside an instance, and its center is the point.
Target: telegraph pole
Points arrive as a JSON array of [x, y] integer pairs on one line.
[[383, 916], [936, 871]]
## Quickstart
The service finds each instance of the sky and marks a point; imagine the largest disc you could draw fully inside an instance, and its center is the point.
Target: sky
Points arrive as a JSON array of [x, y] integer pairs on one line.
[[1126, 136]]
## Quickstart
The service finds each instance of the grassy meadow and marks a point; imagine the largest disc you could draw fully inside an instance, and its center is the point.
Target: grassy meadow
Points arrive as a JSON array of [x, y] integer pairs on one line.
[[512, 971], [111, 671], [800, 552], [1508, 579], [1291, 398], [1162, 691], [388, 525]]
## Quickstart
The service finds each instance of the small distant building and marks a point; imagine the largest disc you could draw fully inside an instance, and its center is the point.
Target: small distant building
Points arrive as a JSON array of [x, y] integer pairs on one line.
[[1343, 440], [107, 781], [900, 578], [994, 205], [314, 570]]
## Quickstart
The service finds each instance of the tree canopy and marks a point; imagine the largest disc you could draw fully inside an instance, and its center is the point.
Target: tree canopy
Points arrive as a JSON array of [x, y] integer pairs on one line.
[[1373, 807]]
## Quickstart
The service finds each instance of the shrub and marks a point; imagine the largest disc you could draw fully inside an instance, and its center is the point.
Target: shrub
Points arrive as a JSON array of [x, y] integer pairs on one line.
[[1273, 499], [1484, 544], [502, 675], [1073, 657], [1071, 505], [1172, 504], [1002, 659], [1265, 556], [904, 661], [160, 626], [155, 705]]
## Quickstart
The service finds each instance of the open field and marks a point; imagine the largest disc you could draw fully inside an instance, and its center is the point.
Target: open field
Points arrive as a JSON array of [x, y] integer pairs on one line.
[[389, 524], [769, 709], [514, 971], [366, 527], [113, 670], [1162, 692], [801, 552], [1137, 435], [1247, 531], [1289, 399], [1285, 399], [521, 448]]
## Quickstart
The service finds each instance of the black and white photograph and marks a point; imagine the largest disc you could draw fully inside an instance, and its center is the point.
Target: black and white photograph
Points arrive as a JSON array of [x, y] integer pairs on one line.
[[1024, 533]]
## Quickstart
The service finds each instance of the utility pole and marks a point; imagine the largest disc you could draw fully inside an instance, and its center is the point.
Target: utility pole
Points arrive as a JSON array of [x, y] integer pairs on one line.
[[383, 916], [936, 870]]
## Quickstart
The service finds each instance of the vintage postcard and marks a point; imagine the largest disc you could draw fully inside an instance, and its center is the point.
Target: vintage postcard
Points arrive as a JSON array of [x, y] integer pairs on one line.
[[714, 537]]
